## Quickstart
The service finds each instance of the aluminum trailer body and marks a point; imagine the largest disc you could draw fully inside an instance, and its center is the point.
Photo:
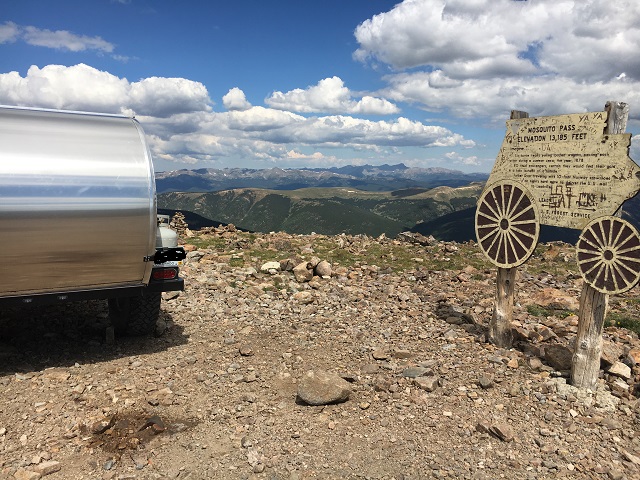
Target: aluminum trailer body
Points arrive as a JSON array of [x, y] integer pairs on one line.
[[77, 208]]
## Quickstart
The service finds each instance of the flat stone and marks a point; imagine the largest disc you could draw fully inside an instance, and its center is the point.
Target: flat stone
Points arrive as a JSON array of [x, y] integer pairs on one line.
[[369, 369], [48, 467], [502, 431], [621, 370], [379, 354], [483, 426], [428, 384], [401, 353], [24, 474], [413, 372], [610, 354], [634, 356], [303, 297], [555, 298], [270, 266], [318, 387], [534, 363], [630, 457]]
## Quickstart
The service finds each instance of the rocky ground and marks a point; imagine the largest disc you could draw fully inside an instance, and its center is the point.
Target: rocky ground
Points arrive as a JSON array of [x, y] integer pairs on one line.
[[392, 332]]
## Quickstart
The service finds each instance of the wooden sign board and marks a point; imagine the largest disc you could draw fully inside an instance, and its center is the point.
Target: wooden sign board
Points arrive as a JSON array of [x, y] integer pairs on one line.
[[573, 172]]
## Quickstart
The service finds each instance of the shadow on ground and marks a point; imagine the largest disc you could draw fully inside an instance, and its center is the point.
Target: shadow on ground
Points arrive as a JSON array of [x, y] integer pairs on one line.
[[34, 338]]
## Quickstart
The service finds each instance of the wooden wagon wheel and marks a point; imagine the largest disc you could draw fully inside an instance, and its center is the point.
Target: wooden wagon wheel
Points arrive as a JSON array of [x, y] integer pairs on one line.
[[608, 253], [507, 226]]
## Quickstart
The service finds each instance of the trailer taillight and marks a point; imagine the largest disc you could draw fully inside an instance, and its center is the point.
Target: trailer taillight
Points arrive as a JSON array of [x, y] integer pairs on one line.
[[164, 273]]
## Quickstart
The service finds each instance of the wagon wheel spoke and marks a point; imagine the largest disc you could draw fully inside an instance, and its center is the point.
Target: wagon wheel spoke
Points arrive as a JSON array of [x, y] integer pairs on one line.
[[506, 224], [608, 255]]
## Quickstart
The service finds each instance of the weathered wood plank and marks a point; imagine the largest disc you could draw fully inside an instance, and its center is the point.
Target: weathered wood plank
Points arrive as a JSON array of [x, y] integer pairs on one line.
[[500, 333], [585, 364]]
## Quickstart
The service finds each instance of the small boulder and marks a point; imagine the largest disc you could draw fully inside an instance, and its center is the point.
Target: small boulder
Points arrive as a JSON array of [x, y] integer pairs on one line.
[[621, 370], [270, 266], [302, 273], [558, 356], [428, 384], [318, 387], [323, 269], [305, 297]]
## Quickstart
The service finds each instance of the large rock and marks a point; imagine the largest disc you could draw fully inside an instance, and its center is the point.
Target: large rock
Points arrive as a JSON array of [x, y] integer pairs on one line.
[[621, 370], [323, 269], [558, 356], [318, 387], [270, 266], [302, 273], [554, 298]]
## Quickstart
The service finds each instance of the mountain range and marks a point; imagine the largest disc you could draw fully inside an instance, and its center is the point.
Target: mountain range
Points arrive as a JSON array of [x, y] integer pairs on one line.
[[328, 211], [363, 177], [363, 199]]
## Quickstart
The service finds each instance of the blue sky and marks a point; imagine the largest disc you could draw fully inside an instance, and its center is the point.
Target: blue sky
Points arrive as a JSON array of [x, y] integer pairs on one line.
[[297, 83]]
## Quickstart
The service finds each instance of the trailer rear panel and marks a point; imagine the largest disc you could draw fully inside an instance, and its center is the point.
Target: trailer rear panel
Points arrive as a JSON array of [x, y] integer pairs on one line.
[[77, 202]]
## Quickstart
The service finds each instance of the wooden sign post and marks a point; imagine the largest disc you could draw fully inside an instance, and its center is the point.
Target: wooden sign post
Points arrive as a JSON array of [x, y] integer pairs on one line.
[[585, 364], [570, 171]]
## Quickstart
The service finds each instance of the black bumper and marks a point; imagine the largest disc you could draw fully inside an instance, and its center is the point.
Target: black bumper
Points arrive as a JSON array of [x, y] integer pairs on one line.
[[95, 294]]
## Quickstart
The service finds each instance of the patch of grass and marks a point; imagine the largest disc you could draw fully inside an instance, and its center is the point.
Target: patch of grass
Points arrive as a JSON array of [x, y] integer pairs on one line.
[[207, 241], [540, 311], [236, 262], [623, 320]]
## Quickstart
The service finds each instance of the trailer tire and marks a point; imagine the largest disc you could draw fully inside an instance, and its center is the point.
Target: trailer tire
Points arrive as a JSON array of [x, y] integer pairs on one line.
[[135, 316]]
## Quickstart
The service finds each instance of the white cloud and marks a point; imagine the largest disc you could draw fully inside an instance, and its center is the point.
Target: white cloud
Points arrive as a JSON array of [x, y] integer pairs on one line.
[[487, 98], [9, 32], [329, 96], [82, 87], [163, 97], [64, 40], [484, 57], [57, 39], [181, 125], [439, 32], [455, 157], [235, 100]]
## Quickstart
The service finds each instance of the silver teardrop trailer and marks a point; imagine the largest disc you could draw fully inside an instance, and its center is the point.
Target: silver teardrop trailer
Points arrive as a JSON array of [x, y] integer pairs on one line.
[[78, 216]]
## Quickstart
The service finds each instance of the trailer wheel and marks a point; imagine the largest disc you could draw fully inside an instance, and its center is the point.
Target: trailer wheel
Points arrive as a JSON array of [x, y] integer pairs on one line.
[[135, 316], [507, 225]]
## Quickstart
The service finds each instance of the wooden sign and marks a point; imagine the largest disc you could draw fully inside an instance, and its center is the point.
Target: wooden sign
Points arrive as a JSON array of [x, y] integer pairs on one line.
[[573, 172]]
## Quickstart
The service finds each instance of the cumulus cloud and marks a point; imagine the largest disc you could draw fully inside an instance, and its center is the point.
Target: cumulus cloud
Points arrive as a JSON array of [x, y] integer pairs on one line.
[[273, 135], [329, 96], [182, 126], [235, 100], [162, 97], [82, 87], [455, 157], [483, 57], [486, 98]]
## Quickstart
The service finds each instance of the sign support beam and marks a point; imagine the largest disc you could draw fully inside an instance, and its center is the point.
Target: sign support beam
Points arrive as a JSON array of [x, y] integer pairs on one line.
[[585, 364], [500, 333]]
